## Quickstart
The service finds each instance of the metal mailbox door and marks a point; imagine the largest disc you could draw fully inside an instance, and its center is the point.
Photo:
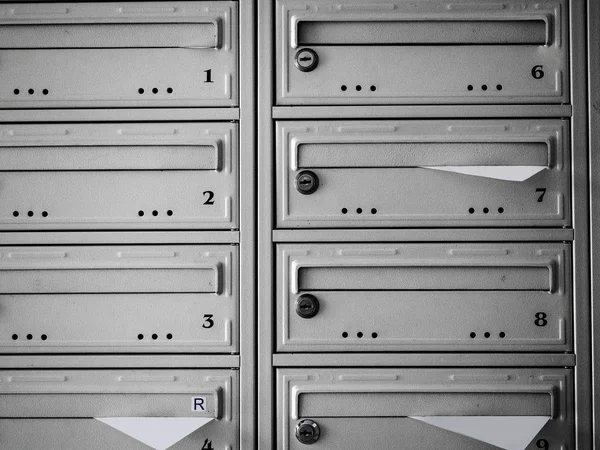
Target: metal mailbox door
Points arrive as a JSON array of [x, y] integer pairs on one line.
[[439, 51], [453, 409], [119, 409], [123, 54], [424, 297], [429, 173], [119, 176], [107, 299]]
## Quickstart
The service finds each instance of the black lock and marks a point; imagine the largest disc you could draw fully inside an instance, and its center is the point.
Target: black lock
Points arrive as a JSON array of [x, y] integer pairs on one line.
[[306, 60], [307, 306], [307, 182], [307, 432]]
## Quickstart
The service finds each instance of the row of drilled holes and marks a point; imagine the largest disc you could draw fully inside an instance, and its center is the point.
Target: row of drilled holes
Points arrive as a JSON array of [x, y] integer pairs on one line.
[[487, 335], [359, 335], [155, 90], [30, 213], [31, 91], [29, 337], [154, 336], [484, 87], [359, 211], [486, 210], [154, 213], [358, 87]]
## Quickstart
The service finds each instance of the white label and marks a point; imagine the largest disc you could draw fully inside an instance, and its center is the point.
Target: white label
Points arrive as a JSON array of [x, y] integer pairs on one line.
[[198, 404]]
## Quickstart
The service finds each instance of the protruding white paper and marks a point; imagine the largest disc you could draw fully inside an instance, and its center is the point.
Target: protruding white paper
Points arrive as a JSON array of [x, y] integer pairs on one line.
[[507, 432], [160, 433], [507, 173]]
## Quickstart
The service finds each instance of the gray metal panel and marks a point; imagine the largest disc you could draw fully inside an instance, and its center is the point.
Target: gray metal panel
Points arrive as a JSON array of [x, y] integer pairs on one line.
[[119, 176], [39, 406], [408, 174], [371, 418], [369, 69], [425, 297], [119, 299], [423, 360], [136, 72]]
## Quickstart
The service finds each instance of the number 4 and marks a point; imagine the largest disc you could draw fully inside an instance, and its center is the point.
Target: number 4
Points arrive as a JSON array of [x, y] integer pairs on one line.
[[207, 445]]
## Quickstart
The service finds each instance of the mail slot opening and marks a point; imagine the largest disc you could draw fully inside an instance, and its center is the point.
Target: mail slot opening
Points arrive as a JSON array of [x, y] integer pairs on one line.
[[426, 278], [403, 404], [424, 32], [108, 35]]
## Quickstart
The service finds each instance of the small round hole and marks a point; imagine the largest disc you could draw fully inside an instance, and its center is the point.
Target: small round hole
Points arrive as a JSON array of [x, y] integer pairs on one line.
[[169, 213], [374, 335], [29, 337], [358, 210], [359, 334], [16, 213], [17, 92], [486, 210], [169, 336], [499, 87], [344, 210], [358, 87], [373, 88], [473, 335], [155, 336], [471, 210], [344, 87], [154, 90], [44, 213], [30, 213], [45, 92], [169, 90], [140, 336], [470, 87], [140, 213], [484, 87], [15, 337], [344, 335], [487, 335], [373, 210], [500, 210], [155, 213], [502, 335], [141, 90], [44, 337], [31, 91]]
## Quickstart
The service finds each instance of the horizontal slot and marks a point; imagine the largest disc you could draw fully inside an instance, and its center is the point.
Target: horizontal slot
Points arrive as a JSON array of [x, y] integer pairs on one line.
[[84, 281], [71, 405], [423, 32], [108, 35], [94, 158], [415, 154], [403, 404], [430, 278]]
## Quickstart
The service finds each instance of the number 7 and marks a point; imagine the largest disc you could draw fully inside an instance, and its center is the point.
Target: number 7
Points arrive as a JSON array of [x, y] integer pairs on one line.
[[543, 192]]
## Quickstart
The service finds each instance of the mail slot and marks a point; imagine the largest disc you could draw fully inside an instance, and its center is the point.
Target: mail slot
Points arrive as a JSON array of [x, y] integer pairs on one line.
[[439, 51], [119, 299], [119, 176], [424, 297], [119, 409], [335, 174], [128, 54], [454, 409]]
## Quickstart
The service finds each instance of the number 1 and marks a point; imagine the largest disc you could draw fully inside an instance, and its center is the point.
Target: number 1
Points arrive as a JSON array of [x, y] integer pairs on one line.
[[208, 76]]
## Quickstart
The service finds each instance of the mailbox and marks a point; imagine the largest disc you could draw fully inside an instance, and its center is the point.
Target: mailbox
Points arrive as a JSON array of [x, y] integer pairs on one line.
[[406, 409], [119, 299], [439, 51], [127, 54], [424, 297], [119, 409], [433, 173], [119, 176]]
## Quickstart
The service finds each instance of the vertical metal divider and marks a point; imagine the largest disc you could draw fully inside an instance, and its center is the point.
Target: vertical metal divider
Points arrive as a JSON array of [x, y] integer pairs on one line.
[[581, 284], [266, 419], [247, 285]]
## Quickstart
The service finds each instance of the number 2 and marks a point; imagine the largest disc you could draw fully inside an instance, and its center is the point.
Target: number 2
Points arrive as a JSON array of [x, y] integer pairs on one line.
[[211, 197]]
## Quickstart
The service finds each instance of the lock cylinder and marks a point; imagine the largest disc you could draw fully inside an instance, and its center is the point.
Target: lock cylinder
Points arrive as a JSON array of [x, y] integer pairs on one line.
[[307, 432], [307, 182], [307, 306]]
